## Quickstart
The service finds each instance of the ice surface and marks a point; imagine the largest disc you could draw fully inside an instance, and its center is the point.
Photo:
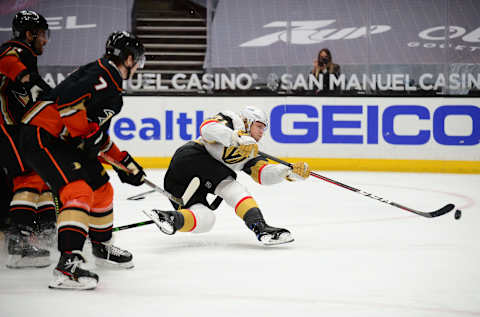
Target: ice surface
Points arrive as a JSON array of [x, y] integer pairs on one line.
[[352, 256]]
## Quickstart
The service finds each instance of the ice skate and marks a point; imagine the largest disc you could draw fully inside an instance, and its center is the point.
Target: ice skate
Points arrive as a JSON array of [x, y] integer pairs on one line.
[[70, 275], [268, 235], [164, 220], [22, 253], [109, 255], [47, 234]]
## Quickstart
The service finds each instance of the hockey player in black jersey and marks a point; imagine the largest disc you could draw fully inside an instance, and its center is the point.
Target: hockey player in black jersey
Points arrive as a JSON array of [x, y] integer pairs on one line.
[[85, 103], [28, 147], [32, 209], [228, 143]]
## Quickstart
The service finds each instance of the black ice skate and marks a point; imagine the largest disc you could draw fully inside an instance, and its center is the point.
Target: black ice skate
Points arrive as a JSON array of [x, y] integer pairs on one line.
[[165, 220], [22, 253], [70, 275], [109, 255], [270, 235], [47, 234]]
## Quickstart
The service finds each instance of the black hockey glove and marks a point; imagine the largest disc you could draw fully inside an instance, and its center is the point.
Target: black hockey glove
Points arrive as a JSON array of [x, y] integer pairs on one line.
[[38, 87], [94, 141], [136, 175]]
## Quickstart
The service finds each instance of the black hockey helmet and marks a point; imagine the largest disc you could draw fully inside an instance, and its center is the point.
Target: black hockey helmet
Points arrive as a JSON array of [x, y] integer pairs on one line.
[[120, 44], [27, 20]]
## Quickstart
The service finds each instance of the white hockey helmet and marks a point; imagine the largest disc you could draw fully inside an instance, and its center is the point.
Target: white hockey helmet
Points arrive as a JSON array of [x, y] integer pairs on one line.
[[250, 114]]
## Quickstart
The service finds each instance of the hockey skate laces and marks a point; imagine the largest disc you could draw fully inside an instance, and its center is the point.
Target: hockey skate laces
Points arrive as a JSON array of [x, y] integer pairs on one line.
[[114, 250], [73, 264]]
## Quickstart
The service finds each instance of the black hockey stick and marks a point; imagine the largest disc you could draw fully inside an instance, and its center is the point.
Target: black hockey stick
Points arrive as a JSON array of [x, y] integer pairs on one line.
[[141, 195], [187, 194], [120, 166], [436, 213], [133, 225]]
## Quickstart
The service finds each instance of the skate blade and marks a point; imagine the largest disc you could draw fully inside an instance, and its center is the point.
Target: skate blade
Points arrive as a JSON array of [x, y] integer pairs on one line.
[[63, 282], [282, 239], [16, 261], [99, 262], [164, 226]]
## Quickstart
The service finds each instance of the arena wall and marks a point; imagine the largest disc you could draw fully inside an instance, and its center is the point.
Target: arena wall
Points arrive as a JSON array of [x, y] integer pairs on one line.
[[367, 133]]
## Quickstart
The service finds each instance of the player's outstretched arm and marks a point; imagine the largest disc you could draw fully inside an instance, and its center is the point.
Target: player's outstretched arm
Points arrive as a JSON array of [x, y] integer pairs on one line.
[[269, 174]]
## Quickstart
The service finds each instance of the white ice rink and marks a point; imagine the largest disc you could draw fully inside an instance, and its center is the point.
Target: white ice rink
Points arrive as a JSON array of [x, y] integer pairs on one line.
[[352, 256]]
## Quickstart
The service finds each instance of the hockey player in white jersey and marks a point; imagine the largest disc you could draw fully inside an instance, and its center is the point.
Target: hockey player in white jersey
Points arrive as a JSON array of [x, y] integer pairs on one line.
[[228, 144]]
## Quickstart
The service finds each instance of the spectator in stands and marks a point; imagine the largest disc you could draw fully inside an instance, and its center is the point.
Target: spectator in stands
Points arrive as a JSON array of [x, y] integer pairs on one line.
[[323, 66]]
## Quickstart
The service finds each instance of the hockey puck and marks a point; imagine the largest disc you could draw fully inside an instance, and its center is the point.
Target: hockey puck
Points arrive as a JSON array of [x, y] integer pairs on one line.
[[458, 214]]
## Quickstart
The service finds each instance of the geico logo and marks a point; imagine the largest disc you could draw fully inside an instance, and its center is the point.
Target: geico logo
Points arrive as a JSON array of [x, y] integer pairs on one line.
[[58, 23], [438, 34], [399, 124], [166, 128], [307, 32]]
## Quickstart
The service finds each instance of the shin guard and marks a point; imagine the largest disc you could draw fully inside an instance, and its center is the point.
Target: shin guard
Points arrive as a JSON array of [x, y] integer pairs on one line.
[[101, 214], [23, 206], [46, 213], [77, 198], [197, 219]]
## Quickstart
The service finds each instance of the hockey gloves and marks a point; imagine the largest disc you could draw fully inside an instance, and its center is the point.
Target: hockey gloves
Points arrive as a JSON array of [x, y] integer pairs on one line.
[[299, 171], [136, 175], [94, 141]]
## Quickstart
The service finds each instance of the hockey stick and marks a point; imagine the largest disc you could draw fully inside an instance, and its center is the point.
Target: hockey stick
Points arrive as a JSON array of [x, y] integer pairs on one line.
[[120, 166], [141, 195], [133, 225], [189, 191], [436, 213]]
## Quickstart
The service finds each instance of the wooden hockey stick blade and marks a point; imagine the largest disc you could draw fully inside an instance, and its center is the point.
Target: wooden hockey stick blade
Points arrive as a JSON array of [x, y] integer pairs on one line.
[[436, 213], [141, 195]]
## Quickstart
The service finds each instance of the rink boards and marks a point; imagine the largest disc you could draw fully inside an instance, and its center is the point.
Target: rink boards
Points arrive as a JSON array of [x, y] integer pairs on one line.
[[366, 133]]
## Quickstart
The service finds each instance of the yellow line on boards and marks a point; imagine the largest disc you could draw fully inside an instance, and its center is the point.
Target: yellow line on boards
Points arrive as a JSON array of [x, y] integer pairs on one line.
[[342, 164]]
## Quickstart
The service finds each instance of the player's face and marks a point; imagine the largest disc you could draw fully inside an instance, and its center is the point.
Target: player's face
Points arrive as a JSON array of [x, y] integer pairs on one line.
[[39, 41], [256, 130], [134, 69], [134, 66]]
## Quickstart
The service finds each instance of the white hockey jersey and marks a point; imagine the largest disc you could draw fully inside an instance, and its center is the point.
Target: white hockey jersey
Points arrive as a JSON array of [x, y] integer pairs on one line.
[[219, 136], [216, 134]]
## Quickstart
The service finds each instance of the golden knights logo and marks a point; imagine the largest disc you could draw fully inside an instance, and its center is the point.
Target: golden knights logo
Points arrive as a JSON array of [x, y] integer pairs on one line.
[[231, 155]]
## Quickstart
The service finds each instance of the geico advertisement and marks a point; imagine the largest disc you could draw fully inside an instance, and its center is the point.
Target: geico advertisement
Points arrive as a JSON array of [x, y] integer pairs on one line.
[[394, 128]]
